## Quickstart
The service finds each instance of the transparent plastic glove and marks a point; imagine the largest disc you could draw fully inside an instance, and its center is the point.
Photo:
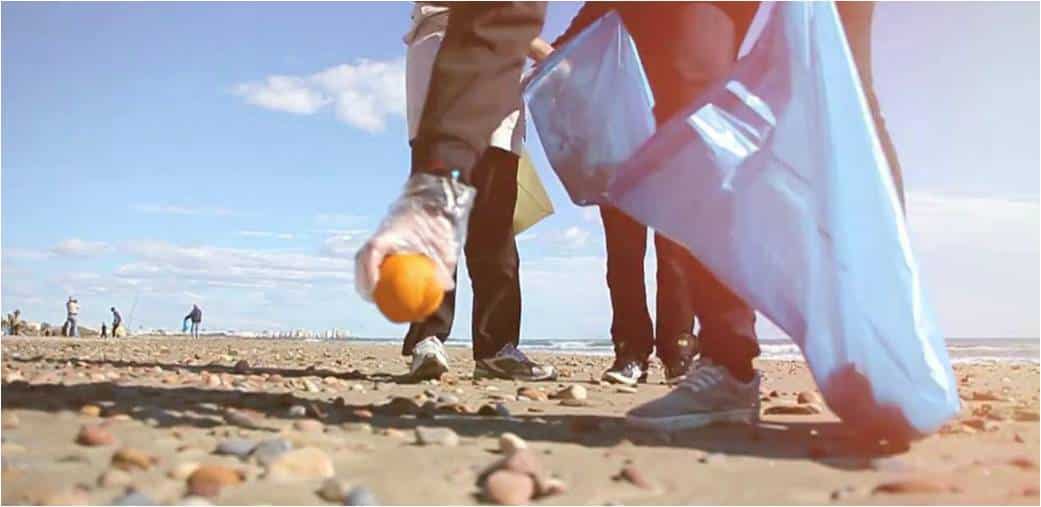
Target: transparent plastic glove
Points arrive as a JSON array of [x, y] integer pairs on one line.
[[429, 218]]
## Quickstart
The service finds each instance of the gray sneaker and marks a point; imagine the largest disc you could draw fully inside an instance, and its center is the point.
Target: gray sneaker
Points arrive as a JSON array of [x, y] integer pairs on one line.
[[429, 360], [708, 394], [510, 363]]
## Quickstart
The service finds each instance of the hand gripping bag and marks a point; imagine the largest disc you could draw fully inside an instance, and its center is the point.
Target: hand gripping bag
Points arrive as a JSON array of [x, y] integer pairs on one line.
[[775, 180]]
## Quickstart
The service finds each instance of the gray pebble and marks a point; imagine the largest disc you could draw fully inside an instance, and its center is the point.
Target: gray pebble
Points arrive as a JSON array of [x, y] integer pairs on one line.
[[239, 447], [448, 399], [297, 411], [360, 495], [266, 451], [134, 498]]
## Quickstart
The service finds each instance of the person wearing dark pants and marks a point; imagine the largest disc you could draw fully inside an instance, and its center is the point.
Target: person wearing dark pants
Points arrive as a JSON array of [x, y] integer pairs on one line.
[[683, 46], [491, 251], [195, 316]]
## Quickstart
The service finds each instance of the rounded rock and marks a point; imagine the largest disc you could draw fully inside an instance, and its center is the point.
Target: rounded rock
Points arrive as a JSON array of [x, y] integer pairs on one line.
[[360, 495], [505, 487], [238, 447], [510, 443], [308, 463], [208, 480], [129, 459], [334, 490], [92, 435]]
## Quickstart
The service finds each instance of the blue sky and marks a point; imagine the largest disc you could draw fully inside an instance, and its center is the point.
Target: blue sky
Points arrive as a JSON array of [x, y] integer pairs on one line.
[[235, 155]]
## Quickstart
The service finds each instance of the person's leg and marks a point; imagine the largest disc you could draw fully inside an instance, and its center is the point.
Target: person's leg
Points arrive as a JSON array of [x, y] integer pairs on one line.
[[856, 19], [674, 344], [74, 329], [632, 332]]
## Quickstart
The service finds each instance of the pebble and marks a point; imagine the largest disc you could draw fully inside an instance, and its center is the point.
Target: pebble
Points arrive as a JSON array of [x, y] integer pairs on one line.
[[808, 397], [297, 411], [360, 495], [447, 399], [309, 426], [10, 421], [912, 486], [238, 447], [505, 487], [496, 410], [134, 498], [334, 490], [532, 394], [626, 389], [90, 410], [445, 437], [93, 436], [307, 463], [208, 480], [807, 409], [129, 459], [510, 443], [572, 392], [1026, 415], [114, 478], [550, 487], [182, 471], [311, 387], [634, 476]]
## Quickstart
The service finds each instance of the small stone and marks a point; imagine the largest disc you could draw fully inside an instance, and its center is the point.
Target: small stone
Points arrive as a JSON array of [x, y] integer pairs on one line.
[[129, 459], [505, 487], [134, 498], [90, 410], [238, 447], [808, 397], [208, 480], [572, 392], [266, 451], [334, 490], [10, 421], [532, 394], [774, 394], [496, 410], [626, 389], [807, 409], [311, 387], [242, 367], [445, 437], [309, 426], [912, 486], [307, 463], [114, 478], [360, 495], [182, 471], [510, 443], [297, 411], [1026, 415], [447, 399], [634, 476], [94, 436], [550, 487]]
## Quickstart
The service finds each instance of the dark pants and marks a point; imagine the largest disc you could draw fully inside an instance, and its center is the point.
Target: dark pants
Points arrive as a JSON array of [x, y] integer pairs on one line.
[[694, 45], [195, 329], [856, 20], [491, 257], [475, 82]]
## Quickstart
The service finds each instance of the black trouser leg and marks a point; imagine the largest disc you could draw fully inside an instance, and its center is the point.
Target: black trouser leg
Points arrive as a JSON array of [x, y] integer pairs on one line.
[[491, 257], [856, 20], [674, 301], [475, 82], [626, 241]]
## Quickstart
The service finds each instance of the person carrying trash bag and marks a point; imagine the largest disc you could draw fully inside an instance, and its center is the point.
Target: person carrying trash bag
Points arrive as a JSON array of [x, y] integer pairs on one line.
[[491, 250], [683, 47], [195, 316]]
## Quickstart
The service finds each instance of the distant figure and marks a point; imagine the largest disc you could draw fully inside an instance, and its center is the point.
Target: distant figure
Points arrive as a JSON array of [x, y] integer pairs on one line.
[[196, 317], [72, 311], [13, 323], [104, 330], [117, 320]]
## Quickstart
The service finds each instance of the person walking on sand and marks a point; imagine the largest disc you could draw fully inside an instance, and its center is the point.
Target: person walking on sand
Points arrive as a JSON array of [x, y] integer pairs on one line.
[[491, 250], [72, 311], [117, 321], [195, 316]]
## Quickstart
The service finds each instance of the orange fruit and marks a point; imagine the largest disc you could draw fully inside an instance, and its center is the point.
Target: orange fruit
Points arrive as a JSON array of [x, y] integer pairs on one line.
[[408, 290]]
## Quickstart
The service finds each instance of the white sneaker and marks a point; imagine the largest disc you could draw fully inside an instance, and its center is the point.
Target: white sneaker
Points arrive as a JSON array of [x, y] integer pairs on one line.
[[429, 360]]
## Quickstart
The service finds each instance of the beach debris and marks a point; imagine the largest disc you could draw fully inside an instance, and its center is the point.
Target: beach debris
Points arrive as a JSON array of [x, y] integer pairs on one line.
[[309, 426], [134, 498], [571, 392], [911, 486], [92, 435], [505, 487], [208, 480], [265, 452], [129, 459], [510, 443], [114, 478], [444, 437], [788, 409], [90, 410], [634, 476], [808, 397], [334, 490], [238, 447], [182, 471], [301, 464], [360, 495], [531, 394]]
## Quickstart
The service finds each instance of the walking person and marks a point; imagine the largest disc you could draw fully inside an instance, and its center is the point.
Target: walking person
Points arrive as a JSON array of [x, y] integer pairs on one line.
[[117, 322], [490, 247], [104, 330], [72, 311], [683, 46], [195, 316]]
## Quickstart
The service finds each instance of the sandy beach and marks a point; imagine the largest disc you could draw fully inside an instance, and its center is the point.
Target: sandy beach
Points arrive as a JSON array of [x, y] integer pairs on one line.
[[239, 421]]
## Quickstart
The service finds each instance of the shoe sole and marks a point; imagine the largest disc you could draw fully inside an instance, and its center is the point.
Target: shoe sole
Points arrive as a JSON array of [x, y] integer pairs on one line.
[[485, 373], [616, 378], [430, 369], [692, 421]]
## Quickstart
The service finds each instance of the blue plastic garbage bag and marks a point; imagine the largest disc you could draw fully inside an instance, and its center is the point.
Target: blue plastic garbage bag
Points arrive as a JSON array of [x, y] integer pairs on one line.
[[775, 180], [591, 107]]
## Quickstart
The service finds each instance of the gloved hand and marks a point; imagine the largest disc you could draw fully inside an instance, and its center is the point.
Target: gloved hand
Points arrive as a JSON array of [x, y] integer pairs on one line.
[[429, 218]]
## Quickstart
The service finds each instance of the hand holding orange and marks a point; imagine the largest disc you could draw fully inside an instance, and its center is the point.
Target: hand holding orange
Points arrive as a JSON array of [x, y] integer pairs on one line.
[[407, 289]]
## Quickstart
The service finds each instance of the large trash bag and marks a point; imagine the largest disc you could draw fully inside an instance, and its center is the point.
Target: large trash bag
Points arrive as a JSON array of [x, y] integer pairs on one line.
[[775, 180], [591, 106]]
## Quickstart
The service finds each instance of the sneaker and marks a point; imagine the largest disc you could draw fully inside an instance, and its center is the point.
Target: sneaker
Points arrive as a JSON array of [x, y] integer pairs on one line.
[[626, 371], [680, 361], [510, 363], [709, 394], [429, 360]]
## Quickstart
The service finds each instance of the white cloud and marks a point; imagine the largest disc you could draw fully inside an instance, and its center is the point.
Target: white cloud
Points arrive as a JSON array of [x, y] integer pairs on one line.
[[363, 94], [75, 247], [169, 209], [344, 245], [268, 235]]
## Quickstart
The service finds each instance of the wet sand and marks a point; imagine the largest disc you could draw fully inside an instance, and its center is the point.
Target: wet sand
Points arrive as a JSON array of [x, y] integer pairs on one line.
[[156, 407]]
